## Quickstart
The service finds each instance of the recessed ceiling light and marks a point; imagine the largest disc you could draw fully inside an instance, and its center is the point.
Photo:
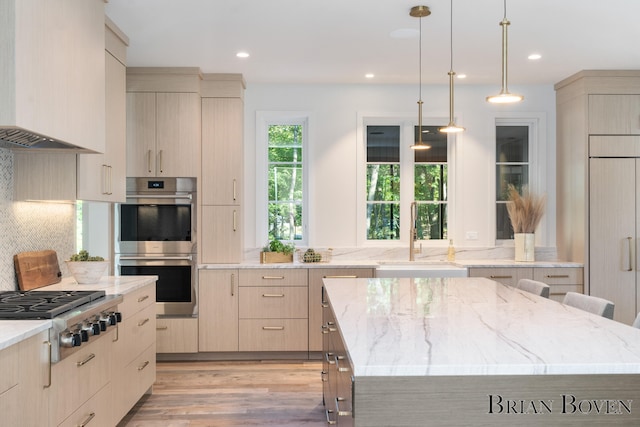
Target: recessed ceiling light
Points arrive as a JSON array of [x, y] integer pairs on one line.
[[461, 76], [369, 75], [242, 55], [534, 56]]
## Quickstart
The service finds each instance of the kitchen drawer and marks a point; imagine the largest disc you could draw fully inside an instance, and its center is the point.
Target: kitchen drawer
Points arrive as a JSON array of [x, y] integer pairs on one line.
[[136, 333], [178, 335], [506, 275], [137, 300], [273, 277], [273, 335], [559, 275], [9, 363], [140, 375], [11, 413], [76, 378], [274, 302], [94, 412]]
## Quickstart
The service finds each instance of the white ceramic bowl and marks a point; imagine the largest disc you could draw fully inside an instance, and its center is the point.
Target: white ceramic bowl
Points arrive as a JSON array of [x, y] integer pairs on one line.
[[87, 271]]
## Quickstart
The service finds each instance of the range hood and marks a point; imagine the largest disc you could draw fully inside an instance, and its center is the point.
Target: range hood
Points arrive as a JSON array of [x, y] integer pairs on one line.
[[16, 138]]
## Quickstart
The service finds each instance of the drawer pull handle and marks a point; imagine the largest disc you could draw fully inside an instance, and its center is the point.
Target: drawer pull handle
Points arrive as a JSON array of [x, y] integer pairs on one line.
[[142, 298], [341, 277], [144, 365], [329, 420], [501, 277], [338, 359], [161, 328], [142, 323], [87, 420], [557, 276], [272, 277], [327, 328], [630, 240], [273, 328], [328, 357], [85, 361], [273, 295], [323, 376], [338, 411], [48, 344]]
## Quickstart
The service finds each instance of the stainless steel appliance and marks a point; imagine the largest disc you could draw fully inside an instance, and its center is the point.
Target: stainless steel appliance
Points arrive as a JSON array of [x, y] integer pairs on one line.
[[78, 317], [156, 235]]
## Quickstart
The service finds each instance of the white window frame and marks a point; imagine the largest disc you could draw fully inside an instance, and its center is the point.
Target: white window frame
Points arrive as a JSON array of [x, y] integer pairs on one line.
[[537, 165], [407, 122], [264, 119]]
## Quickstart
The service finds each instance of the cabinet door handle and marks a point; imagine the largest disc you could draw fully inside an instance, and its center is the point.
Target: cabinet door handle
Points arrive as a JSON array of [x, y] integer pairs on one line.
[[48, 344], [323, 377], [235, 193], [149, 161], [557, 276], [87, 420], [110, 180], [142, 298], [160, 167], [630, 240], [272, 277], [143, 322], [105, 174], [501, 277], [85, 361], [144, 365], [273, 295], [330, 422], [273, 328], [233, 283], [338, 411], [329, 358], [161, 328], [235, 220], [340, 277], [340, 369]]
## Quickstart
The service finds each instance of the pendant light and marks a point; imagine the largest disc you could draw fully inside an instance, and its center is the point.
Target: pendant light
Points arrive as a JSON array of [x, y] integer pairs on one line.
[[451, 127], [504, 96], [420, 12]]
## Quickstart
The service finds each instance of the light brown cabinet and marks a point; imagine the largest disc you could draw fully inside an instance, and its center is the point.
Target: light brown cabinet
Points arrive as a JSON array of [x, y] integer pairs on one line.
[[560, 279], [221, 240], [163, 134], [177, 335], [316, 297], [218, 297]]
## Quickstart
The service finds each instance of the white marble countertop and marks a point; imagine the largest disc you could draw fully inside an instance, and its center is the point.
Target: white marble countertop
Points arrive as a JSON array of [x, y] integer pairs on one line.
[[473, 326], [14, 331]]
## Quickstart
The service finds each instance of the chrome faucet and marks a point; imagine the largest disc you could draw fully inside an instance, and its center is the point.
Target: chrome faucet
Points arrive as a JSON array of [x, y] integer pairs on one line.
[[413, 233]]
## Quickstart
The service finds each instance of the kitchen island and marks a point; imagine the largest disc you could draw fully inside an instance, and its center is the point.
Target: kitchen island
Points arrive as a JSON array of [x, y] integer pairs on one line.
[[472, 351]]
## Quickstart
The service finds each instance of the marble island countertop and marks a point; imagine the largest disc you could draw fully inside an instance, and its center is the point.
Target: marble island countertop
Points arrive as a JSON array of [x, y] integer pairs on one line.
[[472, 326], [14, 331]]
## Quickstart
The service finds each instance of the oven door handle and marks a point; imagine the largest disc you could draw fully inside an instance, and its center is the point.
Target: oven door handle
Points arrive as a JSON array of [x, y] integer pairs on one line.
[[160, 196], [151, 258]]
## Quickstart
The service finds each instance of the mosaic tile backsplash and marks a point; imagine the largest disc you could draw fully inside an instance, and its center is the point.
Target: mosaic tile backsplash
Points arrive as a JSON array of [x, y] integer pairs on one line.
[[30, 226]]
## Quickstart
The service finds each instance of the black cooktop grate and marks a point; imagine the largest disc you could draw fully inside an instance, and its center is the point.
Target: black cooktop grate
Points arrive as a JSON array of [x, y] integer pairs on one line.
[[43, 304]]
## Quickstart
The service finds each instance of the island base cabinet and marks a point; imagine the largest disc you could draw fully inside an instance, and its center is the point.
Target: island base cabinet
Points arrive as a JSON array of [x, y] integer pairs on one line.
[[177, 335], [273, 334], [502, 400], [95, 412], [141, 374]]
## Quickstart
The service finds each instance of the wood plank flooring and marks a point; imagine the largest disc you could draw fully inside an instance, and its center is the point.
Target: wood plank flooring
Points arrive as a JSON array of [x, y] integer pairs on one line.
[[229, 394]]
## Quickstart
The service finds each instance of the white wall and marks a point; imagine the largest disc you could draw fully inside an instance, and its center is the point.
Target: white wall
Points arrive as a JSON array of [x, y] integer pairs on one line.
[[334, 143]]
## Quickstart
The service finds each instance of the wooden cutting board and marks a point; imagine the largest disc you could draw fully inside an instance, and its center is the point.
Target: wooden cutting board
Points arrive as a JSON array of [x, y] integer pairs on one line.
[[37, 269]]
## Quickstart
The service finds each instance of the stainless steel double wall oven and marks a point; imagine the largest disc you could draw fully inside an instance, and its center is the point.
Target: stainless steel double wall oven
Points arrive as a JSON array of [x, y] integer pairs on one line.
[[156, 235]]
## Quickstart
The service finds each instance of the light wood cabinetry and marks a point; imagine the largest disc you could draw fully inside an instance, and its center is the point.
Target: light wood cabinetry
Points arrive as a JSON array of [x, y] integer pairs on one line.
[[163, 134], [222, 168], [218, 297], [24, 378], [101, 177], [316, 297], [177, 335], [273, 312], [52, 79], [598, 126], [95, 411], [560, 279], [134, 350], [44, 176]]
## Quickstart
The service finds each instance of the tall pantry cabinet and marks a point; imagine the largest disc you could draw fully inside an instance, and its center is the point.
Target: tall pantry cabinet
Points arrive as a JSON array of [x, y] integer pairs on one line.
[[222, 168], [598, 184]]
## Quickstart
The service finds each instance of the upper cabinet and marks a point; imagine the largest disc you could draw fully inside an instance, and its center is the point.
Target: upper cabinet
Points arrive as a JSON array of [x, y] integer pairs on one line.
[[53, 69], [163, 122], [614, 114], [101, 177]]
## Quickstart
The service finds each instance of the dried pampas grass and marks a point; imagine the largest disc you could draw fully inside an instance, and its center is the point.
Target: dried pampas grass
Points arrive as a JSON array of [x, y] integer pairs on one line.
[[525, 211]]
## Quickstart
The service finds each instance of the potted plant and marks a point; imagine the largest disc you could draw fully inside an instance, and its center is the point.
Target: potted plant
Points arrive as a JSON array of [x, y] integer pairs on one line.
[[525, 212], [86, 268], [276, 251]]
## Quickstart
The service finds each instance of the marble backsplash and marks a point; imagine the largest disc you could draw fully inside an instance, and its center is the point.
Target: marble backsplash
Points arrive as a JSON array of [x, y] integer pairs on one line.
[[30, 226]]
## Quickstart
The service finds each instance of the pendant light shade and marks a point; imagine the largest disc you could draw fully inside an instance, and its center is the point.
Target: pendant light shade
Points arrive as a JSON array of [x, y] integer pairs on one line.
[[451, 127], [420, 12], [504, 96]]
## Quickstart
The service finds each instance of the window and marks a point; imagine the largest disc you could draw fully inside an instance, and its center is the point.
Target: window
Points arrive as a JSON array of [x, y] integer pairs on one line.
[[397, 176], [285, 181], [512, 168]]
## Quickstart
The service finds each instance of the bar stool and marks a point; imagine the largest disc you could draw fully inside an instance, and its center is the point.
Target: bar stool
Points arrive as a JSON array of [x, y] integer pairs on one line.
[[595, 305], [534, 287]]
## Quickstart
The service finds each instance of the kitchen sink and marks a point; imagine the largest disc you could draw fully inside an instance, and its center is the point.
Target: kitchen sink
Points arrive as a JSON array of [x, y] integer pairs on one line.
[[433, 268]]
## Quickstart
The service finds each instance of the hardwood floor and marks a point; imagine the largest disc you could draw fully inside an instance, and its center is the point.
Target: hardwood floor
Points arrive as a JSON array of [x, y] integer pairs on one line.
[[257, 393]]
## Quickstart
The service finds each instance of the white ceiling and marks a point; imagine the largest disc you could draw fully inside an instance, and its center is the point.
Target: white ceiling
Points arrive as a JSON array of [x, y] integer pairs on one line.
[[339, 41]]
